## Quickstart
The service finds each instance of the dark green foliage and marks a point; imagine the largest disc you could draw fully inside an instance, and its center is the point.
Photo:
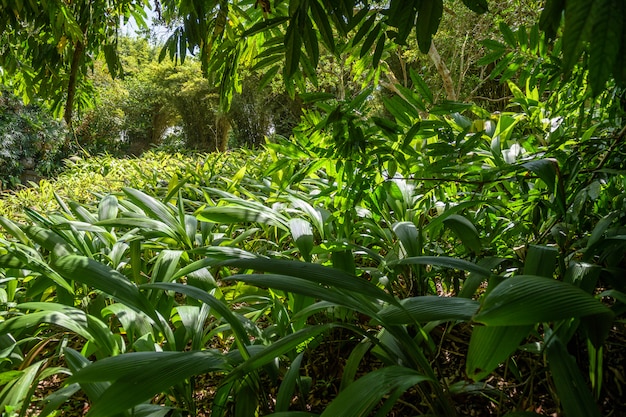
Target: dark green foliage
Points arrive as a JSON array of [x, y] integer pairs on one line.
[[30, 140]]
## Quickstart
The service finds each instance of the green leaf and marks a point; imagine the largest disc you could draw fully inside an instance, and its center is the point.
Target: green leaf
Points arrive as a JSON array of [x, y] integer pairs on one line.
[[360, 397], [220, 307], [323, 24], [110, 281], [370, 39], [409, 238], [548, 170], [541, 261], [490, 346], [445, 262], [264, 25], [578, 24], [293, 45], [527, 299], [14, 229], [108, 208], [551, 17], [477, 6], [288, 385], [605, 41], [278, 348], [573, 393], [17, 394], [302, 234], [429, 308], [420, 85], [378, 51], [315, 273], [137, 377], [240, 214], [465, 230], [428, 19]]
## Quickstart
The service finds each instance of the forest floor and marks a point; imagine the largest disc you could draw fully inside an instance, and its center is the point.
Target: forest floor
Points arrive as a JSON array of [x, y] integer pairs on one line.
[[520, 385]]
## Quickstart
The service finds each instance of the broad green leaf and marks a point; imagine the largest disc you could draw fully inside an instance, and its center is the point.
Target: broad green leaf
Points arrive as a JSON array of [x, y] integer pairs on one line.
[[428, 18], [548, 170], [369, 40], [302, 234], [550, 18], [508, 35], [352, 364], [605, 40], [14, 229], [465, 231], [48, 240], [110, 281], [578, 23], [240, 214], [19, 260], [280, 347], [152, 207], [429, 308], [156, 227], [57, 398], [540, 261], [490, 346], [574, 394], [445, 262], [304, 287], [220, 307], [529, 299], [137, 377], [314, 273], [322, 22], [293, 45], [17, 393], [409, 238], [360, 397], [263, 25], [288, 385], [108, 208]]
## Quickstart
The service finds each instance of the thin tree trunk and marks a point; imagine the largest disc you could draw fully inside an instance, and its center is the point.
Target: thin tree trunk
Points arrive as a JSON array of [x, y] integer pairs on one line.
[[79, 49], [443, 71]]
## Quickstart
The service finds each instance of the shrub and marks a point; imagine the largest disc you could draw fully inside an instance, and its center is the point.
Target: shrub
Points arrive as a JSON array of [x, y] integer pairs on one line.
[[31, 140]]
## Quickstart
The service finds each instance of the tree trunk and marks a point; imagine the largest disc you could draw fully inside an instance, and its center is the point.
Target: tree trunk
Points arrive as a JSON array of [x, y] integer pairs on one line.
[[443, 71], [79, 50]]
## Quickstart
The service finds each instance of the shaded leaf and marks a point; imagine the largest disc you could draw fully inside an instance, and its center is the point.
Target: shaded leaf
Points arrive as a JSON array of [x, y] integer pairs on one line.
[[528, 299]]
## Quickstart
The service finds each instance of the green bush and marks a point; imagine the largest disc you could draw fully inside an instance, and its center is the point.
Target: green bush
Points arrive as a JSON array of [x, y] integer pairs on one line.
[[31, 140]]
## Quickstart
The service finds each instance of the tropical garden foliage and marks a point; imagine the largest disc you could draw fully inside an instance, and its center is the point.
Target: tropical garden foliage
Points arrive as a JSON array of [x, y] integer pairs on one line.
[[397, 254]]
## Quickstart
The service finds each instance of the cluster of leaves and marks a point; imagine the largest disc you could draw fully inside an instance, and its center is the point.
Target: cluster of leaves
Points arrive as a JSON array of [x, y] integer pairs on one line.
[[30, 138], [389, 229]]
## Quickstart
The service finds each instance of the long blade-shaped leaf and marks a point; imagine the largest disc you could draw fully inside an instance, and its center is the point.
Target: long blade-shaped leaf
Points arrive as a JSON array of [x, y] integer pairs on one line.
[[136, 377], [235, 322], [490, 346], [445, 262], [315, 273], [110, 281], [277, 349], [360, 397], [528, 299], [303, 287], [574, 394], [155, 209], [429, 308]]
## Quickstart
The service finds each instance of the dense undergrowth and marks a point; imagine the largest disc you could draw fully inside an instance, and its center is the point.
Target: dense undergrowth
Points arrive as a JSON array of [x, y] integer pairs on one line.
[[402, 265]]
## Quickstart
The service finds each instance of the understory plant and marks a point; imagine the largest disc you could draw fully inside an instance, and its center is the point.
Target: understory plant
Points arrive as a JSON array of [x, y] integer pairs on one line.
[[386, 238]]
